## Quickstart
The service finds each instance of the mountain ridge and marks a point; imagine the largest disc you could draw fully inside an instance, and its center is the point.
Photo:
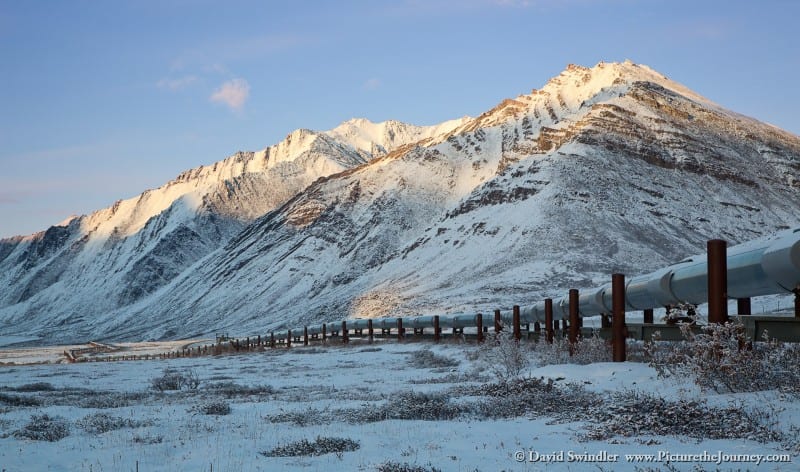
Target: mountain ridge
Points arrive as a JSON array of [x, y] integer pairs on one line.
[[408, 226]]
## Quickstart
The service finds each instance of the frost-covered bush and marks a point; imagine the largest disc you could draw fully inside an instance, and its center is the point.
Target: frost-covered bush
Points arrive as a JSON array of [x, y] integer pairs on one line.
[[311, 416], [102, 400], [36, 387], [420, 406], [44, 428], [137, 439], [390, 466], [504, 356], [721, 359], [585, 351], [218, 408], [537, 396], [232, 389], [427, 359], [171, 379], [18, 400], [321, 445], [632, 414], [98, 423]]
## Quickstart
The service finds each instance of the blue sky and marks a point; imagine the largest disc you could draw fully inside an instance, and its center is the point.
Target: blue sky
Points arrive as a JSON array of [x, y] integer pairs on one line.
[[102, 100]]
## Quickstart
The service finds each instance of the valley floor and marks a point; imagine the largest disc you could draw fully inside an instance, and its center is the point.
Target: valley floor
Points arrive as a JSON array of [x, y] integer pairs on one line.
[[382, 407]]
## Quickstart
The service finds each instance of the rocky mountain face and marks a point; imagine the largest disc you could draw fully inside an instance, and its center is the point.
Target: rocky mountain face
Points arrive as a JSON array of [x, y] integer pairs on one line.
[[610, 168], [61, 281]]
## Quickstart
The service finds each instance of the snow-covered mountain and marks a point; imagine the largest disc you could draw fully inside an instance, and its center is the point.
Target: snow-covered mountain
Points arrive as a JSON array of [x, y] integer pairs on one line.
[[610, 168]]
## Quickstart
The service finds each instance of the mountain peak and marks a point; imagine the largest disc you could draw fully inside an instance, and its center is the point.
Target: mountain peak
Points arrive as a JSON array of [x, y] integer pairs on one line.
[[376, 139]]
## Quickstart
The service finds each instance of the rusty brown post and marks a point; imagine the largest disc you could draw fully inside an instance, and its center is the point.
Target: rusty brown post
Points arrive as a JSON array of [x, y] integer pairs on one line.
[[618, 321], [515, 321], [345, 337], [573, 320], [797, 301], [248, 343], [537, 327], [437, 330], [305, 335], [370, 331], [400, 329], [272, 340], [498, 323], [259, 341], [743, 306], [648, 315], [717, 281], [548, 319], [289, 339], [324, 328], [479, 325]]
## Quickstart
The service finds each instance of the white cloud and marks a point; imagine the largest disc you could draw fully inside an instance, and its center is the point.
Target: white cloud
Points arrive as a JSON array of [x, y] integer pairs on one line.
[[232, 93], [176, 84], [372, 84]]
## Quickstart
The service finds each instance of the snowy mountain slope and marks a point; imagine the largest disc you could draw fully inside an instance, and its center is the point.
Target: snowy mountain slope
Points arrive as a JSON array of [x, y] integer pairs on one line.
[[94, 264], [613, 168]]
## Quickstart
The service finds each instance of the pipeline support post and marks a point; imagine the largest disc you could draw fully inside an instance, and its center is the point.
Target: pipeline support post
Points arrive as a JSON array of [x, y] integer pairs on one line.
[[479, 325], [573, 320], [516, 322], [324, 332], [437, 330], [370, 331], [717, 281], [548, 319], [305, 335], [400, 329], [345, 337], [797, 301], [743, 306], [289, 339], [618, 321], [648, 316], [498, 325]]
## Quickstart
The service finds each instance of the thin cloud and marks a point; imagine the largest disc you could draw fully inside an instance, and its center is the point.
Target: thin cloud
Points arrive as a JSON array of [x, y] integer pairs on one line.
[[176, 84], [232, 94], [8, 199], [372, 84]]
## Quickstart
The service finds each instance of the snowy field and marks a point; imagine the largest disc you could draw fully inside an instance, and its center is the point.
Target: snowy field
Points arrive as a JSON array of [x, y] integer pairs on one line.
[[382, 407]]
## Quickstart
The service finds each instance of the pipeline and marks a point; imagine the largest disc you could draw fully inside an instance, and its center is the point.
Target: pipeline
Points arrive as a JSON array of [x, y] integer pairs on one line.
[[766, 266]]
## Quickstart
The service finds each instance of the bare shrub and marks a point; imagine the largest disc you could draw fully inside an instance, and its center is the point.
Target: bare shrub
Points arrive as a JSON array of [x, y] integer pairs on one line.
[[427, 359], [218, 408], [35, 387], [232, 389], [390, 466], [721, 359], [105, 400], [44, 428], [585, 351], [633, 413], [420, 406], [530, 396], [171, 379], [504, 356], [17, 400], [98, 423], [320, 446], [311, 416], [137, 439]]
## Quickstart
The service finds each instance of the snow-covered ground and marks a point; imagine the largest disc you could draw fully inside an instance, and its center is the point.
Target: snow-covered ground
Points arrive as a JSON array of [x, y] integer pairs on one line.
[[400, 406]]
